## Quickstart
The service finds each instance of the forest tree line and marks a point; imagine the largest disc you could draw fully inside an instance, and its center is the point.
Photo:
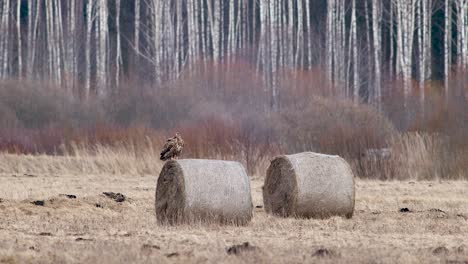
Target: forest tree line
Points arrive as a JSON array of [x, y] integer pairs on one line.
[[88, 47]]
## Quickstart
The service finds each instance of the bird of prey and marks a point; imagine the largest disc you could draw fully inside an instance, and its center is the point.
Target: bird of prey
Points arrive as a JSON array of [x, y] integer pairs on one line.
[[172, 148]]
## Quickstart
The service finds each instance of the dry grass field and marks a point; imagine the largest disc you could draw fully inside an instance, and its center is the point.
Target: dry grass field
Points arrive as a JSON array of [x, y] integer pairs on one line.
[[93, 228]]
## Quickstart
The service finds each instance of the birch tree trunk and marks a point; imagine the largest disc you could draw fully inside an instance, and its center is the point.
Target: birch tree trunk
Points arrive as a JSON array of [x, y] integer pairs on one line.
[[158, 24], [192, 32], [118, 58], [204, 37], [370, 69], [330, 38], [137, 28], [18, 32], [29, 37], [424, 40], [264, 57], [392, 53], [462, 24], [336, 41], [50, 40], [4, 47], [292, 57], [101, 72], [406, 23], [215, 28], [274, 51], [427, 25], [32, 36], [355, 54], [377, 37], [447, 46], [178, 36], [300, 36], [89, 26], [59, 42], [71, 57], [232, 31], [308, 7]]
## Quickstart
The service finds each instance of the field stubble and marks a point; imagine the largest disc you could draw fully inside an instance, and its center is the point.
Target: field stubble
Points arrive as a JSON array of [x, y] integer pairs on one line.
[[94, 228]]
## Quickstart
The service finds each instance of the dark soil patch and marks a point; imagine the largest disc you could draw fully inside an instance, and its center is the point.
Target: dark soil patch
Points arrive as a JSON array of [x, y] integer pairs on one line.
[[237, 249], [34, 248], [69, 196], [440, 251], [83, 239], [149, 246], [118, 197], [174, 254], [323, 253], [462, 216], [38, 203]]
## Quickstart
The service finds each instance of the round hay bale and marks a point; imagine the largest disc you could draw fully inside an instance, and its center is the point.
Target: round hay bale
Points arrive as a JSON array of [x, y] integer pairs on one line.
[[191, 190], [309, 185]]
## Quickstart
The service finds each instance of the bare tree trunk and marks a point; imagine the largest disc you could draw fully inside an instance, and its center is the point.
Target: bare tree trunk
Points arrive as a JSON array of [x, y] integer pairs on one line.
[[338, 42], [308, 7], [192, 32], [263, 61], [300, 36], [424, 14], [137, 28], [50, 39], [101, 72], [427, 37], [29, 37], [232, 31], [342, 43], [392, 52], [462, 21], [370, 70], [178, 35], [4, 47], [274, 24], [447, 46], [158, 27], [71, 57], [204, 37], [292, 57], [18, 32], [376, 29], [118, 58], [330, 38], [89, 26], [406, 19], [32, 36], [59, 41], [355, 54], [215, 29]]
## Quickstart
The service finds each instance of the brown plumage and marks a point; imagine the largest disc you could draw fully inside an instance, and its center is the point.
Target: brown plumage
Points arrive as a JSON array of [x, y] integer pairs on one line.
[[172, 148]]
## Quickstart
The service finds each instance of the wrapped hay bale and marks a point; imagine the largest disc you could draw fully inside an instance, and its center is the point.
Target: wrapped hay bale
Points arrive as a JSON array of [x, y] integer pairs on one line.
[[203, 190], [309, 185]]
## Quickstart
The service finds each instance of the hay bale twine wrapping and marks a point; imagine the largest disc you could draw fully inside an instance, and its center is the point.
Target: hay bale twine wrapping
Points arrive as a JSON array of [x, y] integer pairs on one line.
[[309, 185], [191, 190]]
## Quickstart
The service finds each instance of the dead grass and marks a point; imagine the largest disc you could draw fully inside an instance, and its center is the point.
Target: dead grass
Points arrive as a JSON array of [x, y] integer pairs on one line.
[[78, 231], [78, 160]]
